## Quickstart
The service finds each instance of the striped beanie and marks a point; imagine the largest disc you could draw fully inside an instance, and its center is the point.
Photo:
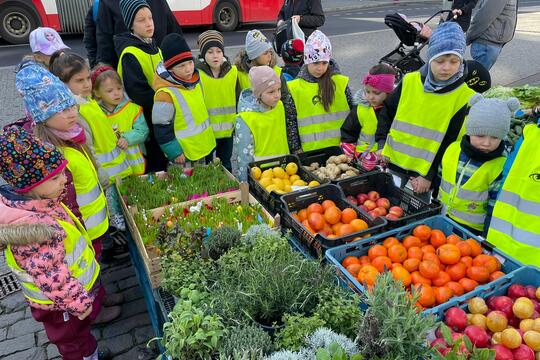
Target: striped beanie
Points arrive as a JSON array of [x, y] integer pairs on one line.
[[175, 50], [128, 9], [208, 39]]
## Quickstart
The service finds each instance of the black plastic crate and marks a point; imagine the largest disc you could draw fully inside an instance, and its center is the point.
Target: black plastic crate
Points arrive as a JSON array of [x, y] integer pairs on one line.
[[318, 243], [414, 208], [272, 201]]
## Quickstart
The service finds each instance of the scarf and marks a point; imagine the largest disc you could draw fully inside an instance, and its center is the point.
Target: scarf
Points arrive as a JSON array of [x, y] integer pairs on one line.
[[432, 85], [75, 134], [170, 77], [478, 155]]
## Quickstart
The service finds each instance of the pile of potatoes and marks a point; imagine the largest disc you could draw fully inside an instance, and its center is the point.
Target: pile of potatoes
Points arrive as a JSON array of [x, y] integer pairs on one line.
[[336, 168]]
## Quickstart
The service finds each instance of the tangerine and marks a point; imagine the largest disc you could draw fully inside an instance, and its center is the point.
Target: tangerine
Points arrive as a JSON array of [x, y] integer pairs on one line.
[[495, 275], [442, 294], [411, 241], [478, 273], [457, 271], [468, 284], [315, 208], [437, 238], [476, 248], [377, 250], [429, 269], [332, 215], [336, 227], [441, 279], [400, 273], [453, 239], [411, 264], [422, 232], [464, 248], [316, 221], [467, 260], [428, 249], [456, 288], [359, 225], [295, 216], [367, 275], [348, 215], [302, 215], [449, 254], [426, 296], [349, 260], [354, 269], [489, 262], [397, 253], [415, 253], [432, 257], [417, 278], [382, 263], [326, 204], [308, 228], [364, 260], [345, 229]]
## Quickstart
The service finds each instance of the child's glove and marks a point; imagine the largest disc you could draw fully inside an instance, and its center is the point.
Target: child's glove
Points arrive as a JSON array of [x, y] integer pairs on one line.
[[349, 150], [369, 160]]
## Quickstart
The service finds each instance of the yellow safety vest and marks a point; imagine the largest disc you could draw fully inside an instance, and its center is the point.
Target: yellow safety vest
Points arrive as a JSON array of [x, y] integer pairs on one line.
[[80, 259], [515, 225], [421, 122], [368, 123], [112, 159], [123, 121], [467, 204], [318, 128], [90, 197], [220, 99], [269, 132], [191, 123], [243, 78], [147, 61]]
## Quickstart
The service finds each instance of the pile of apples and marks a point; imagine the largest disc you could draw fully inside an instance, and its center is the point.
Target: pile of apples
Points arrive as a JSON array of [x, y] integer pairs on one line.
[[508, 324], [376, 206]]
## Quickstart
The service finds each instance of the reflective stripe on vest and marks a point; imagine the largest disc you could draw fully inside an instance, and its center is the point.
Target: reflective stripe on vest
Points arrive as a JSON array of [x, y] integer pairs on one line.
[[147, 62], [467, 203], [122, 121], [317, 127], [191, 123], [90, 196], [420, 123], [368, 125], [112, 159], [269, 131], [243, 78], [79, 257], [515, 223], [220, 99]]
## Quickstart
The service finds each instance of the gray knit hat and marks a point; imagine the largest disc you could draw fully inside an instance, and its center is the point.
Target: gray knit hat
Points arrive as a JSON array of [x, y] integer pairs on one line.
[[490, 117], [256, 44], [128, 9]]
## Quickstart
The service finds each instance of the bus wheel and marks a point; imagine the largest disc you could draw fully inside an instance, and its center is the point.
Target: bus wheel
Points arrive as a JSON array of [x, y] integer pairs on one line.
[[226, 16], [16, 23]]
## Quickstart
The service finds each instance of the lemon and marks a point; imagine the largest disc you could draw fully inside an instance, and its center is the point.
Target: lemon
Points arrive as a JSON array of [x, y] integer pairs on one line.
[[287, 188], [280, 192], [265, 182], [278, 182], [256, 172], [313, 183], [293, 178], [287, 182], [279, 172], [299, 183], [271, 188], [291, 168], [267, 174]]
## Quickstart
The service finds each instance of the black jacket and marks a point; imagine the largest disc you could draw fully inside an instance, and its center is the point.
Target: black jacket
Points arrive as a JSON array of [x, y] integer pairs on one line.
[[466, 7], [388, 113], [109, 22], [311, 12], [351, 128], [89, 39]]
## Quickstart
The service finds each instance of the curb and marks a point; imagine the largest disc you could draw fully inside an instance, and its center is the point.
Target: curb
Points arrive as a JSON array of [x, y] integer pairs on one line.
[[373, 4]]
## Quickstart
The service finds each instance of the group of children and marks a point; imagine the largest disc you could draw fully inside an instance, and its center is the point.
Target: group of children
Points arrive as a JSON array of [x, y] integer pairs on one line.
[[86, 127]]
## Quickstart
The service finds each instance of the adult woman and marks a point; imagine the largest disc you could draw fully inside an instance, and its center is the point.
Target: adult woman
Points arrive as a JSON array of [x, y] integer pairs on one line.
[[308, 13]]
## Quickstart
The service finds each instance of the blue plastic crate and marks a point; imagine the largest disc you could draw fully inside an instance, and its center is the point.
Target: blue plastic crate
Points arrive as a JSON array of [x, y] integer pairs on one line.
[[296, 245], [446, 225]]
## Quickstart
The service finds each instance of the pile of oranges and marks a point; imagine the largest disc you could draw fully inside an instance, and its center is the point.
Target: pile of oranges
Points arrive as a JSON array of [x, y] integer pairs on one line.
[[437, 266], [329, 220]]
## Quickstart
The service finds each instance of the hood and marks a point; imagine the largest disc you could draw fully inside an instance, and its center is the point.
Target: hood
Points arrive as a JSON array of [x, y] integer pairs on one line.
[[424, 71], [304, 73], [122, 41], [359, 98], [244, 64], [202, 66], [164, 78], [248, 102]]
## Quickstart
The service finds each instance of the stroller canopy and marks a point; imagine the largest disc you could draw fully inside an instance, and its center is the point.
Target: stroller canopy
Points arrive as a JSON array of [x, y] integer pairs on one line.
[[406, 32]]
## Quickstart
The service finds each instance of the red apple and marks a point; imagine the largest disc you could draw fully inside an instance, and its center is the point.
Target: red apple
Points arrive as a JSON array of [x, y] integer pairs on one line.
[[385, 203], [361, 198], [364, 207], [396, 210], [502, 353], [531, 292], [516, 291], [374, 214], [382, 211], [370, 204], [523, 352], [352, 200], [373, 195], [392, 217]]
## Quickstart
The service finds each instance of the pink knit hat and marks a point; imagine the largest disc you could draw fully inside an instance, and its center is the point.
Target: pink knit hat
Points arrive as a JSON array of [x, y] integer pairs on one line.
[[262, 77]]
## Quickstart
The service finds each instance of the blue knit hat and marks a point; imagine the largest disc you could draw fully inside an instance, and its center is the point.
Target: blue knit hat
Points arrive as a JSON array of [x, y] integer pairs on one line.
[[43, 93], [128, 9], [448, 38]]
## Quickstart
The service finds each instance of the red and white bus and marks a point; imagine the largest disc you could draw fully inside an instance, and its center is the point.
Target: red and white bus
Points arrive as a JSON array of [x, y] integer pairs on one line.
[[19, 17]]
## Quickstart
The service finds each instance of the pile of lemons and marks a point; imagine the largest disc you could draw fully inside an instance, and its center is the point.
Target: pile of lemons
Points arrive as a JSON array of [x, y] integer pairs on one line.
[[280, 180]]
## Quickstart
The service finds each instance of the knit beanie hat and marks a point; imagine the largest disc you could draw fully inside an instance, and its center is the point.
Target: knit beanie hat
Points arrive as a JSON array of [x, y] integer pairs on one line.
[[208, 39], [128, 9], [43, 93], [318, 48], [448, 38], [261, 78], [292, 51], [490, 117], [26, 161], [256, 44], [46, 41], [175, 50]]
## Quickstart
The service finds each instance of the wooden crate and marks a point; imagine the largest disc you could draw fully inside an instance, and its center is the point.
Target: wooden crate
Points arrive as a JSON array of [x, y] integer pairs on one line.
[[150, 253]]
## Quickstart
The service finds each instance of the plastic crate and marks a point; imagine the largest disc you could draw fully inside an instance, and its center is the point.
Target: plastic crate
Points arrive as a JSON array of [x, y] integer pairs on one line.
[[297, 246], [317, 243], [271, 201], [413, 207], [446, 225]]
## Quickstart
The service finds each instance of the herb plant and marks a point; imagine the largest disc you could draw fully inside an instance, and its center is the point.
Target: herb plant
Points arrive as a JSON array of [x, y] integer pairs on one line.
[[221, 240], [248, 340], [297, 327], [340, 310]]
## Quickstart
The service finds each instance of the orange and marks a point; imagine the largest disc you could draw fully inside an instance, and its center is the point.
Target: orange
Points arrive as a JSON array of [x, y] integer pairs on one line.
[[364, 260], [349, 260], [336, 227], [489, 262], [476, 248], [411, 241], [429, 269], [441, 279], [411, 264], [423, 232], [367, 275], [354, 269], [326, 204], [456, 287], [437, 238], [332, 215], [308, 228], [468, 284], [467, 260], [457, 271], [348, 215], [400, 273], [417, 278], [432, 257], [478, 273], [397, 253], [382, 263], [316, 221], [315, 208], [415, 253], [495, 275], [331, 236], [453, 239], [377, 250], [295, 216], [449, 254], [359, 225], [396, 265], [426, 295], [302, 215], [345, 230], [428, 249], [464, 248], [442, 294], [390, 241]]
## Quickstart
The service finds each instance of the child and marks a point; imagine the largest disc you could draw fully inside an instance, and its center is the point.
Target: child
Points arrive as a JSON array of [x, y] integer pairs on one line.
[[426, 112], [219, 81], [292, 53], [321, 95], [257, 52], [471, 169], [125, 117], [180, 118], [58, 274], [260, 126], [358, 130], [139, 57], [44, 42]]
